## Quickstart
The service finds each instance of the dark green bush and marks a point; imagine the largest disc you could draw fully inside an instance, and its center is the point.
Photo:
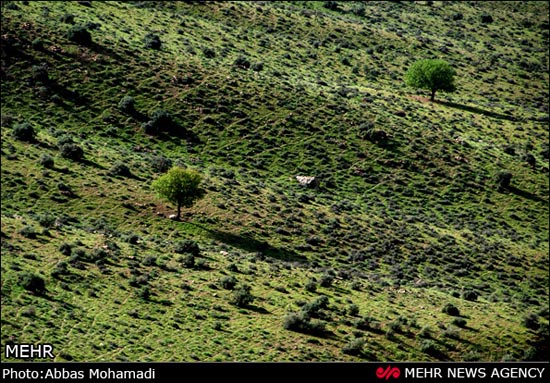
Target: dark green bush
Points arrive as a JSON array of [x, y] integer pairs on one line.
[[32, 283], [208, 52], [228, 282], [242, 62], [301, 323], [188, 261], [470, 295], [451, 309], [46, 160], [242, 296], [161, 164], [79, 34], [127, 104], [353, 309], [152, 41], [187, 246], [531, 321], [65, 249], [311, 286], [354, 347], [28, 232], [24, 132], [326, 280], [39, 73], [120, 169], [72, 152], [503, 179], [459, 322], [161, 121]]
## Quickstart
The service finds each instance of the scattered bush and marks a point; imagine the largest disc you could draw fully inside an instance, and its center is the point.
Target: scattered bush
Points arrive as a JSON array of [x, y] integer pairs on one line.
[[161, 121], [311, 286], [503, 180], [24, 132], [242, 296], [67, 18], [242, 62], [459, 322], [152, 41], [228, 282], [208, 52], [429, 347], [127, 104], [257, 67], [470, 295], [65, 249], [46, 160], [326, 280], [187, 247], [425, 332], [301, 323], [486, 18], [149, 260], [312, 309], [72, 151], [332, 5], [28, 232], [353, 310], [39, 73], [451, 309], [531, 321], [32, 283], [161, 164], [120, 169], [79, 34], [354, 347], [188, 261], [144, 293]]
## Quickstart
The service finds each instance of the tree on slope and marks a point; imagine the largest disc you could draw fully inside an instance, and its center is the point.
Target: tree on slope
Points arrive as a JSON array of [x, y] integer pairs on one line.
[[432, 75], [179, 186]]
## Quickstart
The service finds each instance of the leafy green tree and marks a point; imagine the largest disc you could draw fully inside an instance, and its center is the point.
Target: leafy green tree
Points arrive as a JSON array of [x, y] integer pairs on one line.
[[433, 75], [180, 187]]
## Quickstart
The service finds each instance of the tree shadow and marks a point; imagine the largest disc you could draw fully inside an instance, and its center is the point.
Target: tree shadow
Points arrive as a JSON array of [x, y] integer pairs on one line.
[[476, 110], [526, 194], [257, 309], [249, 244]]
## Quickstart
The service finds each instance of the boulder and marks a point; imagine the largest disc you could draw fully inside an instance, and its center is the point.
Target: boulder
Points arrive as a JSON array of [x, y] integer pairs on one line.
[[310, 182]]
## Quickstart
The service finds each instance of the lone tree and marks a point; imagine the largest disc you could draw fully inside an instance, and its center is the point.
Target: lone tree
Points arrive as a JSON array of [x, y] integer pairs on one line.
[[433, 75], [180, 187]]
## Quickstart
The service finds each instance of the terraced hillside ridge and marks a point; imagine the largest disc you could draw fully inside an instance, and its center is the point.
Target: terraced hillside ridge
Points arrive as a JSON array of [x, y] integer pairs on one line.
[[423, 237]]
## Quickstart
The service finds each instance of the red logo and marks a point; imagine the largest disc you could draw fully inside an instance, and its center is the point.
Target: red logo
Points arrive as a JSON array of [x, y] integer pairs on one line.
[[389, 372]]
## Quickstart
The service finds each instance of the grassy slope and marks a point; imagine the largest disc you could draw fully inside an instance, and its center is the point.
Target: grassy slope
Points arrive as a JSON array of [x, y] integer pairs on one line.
[[416, 221]]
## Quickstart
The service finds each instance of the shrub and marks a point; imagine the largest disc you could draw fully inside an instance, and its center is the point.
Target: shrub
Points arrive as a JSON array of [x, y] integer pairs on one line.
[[425, 332], [120, 169], [312, 309], [301, 323], [188, 261], [332, 5], [28, 232], [228, 282], [39, 73], [24, 132], [326, 280], [71, 151], [65, 249], [152, 41], [187, 247], [149, 260], [531, 321], [46, 160], [470, 295], [429, 347], [364, 323], [161, 120], [257, 67], [127, 104], [242, 62], [161, 164], [208, 52], [459, 322], [79, 34], [242, 296], [46, 220], [32, 283], [451, 309], [311, 286], [486, 18], [144, 293], [67, 18], [503, 180], [353, 310], [354, 347]]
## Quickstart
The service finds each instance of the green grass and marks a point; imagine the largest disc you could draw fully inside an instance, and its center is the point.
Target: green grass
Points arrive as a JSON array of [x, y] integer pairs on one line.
[[416, 220]]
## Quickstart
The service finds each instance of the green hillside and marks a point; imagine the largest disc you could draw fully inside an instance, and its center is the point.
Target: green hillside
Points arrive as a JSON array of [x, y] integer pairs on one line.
[[413, 247]]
